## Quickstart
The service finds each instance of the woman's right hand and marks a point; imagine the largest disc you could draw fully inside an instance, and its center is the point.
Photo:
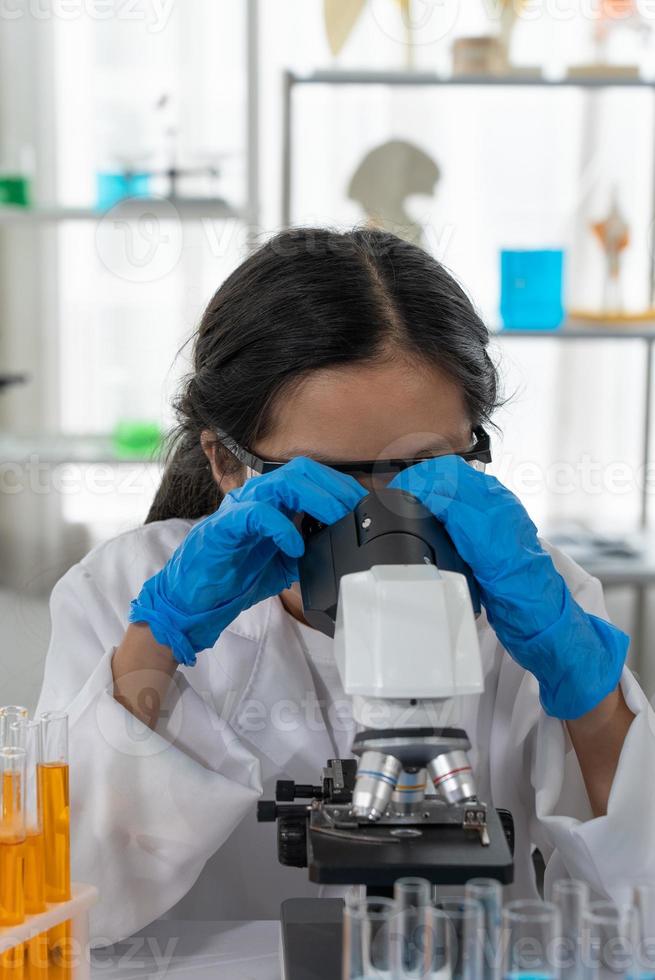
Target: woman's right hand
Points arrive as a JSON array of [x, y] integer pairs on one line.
[[243, 553]]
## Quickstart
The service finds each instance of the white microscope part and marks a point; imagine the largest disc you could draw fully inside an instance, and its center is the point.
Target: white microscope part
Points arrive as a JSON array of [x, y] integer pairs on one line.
[[406, 632]]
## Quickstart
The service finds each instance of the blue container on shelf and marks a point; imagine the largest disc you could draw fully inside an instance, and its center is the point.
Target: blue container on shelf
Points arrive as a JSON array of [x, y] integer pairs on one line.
[[115, 187], [531, 289]]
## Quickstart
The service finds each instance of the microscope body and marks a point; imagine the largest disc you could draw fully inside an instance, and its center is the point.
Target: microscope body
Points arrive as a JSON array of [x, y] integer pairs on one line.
[[388, 585]]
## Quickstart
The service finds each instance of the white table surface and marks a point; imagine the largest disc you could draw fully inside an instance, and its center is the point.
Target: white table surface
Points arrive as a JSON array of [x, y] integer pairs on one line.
[[197, 950]]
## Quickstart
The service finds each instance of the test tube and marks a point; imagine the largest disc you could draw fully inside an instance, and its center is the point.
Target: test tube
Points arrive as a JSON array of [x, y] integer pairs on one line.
[[467, 927], [571, 898], [12, 839], [36, 950], [413, 898], [35, 900], [54, 795], [529, 937], [644, 900], [609, 941], [13, 718], [489, 893], [368, 925]]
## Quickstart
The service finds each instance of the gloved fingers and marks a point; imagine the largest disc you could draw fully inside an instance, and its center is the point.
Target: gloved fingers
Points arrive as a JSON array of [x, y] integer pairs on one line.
[[248, 520], [451, 476], [275, 572], [462, 523], [290, 568], [305, 486]]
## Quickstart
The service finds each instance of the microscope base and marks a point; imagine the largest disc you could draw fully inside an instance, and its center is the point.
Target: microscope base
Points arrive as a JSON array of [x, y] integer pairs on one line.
[[310, 938]]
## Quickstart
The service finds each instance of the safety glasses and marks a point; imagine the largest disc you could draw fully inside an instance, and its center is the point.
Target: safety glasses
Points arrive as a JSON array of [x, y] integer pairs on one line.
[[384, 470]]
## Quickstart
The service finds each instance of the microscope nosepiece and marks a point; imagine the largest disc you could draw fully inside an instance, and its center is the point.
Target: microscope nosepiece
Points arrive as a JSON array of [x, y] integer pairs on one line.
[[452, 776], [377, 775]]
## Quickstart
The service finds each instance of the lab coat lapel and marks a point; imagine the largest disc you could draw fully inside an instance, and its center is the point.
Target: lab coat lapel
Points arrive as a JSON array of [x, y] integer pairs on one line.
[[278, 713]]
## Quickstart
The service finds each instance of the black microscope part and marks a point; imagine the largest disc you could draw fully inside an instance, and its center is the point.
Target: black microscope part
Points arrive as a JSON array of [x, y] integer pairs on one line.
[[388, 527]]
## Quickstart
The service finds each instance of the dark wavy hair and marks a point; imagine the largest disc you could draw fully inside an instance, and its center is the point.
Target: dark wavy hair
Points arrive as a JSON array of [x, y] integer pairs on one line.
[[312, 298]]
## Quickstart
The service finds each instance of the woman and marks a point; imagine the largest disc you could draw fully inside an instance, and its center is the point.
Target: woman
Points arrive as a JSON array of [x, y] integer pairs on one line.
[[324, 348]]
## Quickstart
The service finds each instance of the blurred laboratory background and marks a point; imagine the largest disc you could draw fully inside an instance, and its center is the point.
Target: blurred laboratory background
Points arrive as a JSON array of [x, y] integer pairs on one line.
[[147, 145]]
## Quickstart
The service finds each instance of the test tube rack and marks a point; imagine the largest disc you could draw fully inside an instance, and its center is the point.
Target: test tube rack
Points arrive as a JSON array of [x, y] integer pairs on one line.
[[75, 911]]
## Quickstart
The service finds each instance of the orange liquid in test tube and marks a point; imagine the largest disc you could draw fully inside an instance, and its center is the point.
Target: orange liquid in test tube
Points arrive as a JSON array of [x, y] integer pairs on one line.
[[12, 855], [34, 873], [12, 801], [12, 905], [54, 799], [36, 950], [12, 964]]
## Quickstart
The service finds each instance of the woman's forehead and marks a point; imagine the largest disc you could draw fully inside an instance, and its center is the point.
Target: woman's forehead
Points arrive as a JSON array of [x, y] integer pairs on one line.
[[366, 411]]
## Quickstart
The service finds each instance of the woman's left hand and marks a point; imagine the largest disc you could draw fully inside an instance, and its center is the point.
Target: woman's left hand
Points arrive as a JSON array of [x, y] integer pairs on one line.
[[576, 657]]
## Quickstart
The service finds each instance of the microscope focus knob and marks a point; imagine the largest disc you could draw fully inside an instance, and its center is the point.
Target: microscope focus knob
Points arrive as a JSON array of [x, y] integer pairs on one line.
[[292, 839], [287, 790], [507, 822], [266, 811]]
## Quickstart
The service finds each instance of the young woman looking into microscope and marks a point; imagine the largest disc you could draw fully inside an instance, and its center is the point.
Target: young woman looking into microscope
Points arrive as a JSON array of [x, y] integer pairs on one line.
[[180, 650]]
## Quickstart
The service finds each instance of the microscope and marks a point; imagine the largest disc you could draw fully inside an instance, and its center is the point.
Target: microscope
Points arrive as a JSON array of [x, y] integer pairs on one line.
[[387, 583]]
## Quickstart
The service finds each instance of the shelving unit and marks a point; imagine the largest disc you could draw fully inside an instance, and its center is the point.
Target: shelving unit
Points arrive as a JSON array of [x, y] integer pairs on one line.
[[37, 542], [647, 337], [44, 219], [81, 449], [192, 209], [338, 77]]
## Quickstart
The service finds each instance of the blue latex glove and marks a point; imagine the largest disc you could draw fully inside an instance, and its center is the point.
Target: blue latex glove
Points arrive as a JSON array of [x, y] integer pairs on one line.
[[576, 657], [243, 553]]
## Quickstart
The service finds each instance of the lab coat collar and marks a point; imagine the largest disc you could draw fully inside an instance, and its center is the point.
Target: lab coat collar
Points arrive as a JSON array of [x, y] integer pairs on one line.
[[278, 713]]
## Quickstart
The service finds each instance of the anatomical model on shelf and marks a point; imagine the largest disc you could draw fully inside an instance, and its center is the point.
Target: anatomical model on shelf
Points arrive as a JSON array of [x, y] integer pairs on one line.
[[341, 16], [613, 236], [613, 233], [383, 181]]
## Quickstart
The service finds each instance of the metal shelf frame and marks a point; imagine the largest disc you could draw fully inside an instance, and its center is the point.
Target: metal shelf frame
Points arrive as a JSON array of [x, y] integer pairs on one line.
[[647, 337], [516, 78], [421, 78], [192, 209]]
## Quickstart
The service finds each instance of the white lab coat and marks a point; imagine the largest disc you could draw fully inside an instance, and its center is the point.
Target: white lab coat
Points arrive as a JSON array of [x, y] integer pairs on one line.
[[167, 817]]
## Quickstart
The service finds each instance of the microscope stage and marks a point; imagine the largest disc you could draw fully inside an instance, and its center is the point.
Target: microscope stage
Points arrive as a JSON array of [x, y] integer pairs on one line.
[[444, 854]]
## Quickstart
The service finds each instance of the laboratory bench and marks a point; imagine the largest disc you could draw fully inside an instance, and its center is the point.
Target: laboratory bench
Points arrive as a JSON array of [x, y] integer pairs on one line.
[[201, 950]]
